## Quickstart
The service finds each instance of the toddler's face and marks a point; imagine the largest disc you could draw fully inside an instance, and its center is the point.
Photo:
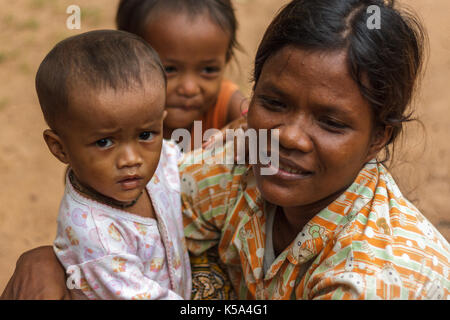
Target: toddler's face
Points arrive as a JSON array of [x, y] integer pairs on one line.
[[193, 52], [113, 139]]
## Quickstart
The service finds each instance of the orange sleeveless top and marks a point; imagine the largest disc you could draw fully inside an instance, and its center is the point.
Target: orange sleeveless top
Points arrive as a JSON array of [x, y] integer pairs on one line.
[[216, 117]]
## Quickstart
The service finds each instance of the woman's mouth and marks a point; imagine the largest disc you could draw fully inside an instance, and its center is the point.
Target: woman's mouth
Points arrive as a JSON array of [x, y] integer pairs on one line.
[[286, 171]]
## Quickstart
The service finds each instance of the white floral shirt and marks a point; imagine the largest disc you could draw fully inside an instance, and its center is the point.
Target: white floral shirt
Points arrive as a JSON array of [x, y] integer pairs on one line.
[[113, 254]]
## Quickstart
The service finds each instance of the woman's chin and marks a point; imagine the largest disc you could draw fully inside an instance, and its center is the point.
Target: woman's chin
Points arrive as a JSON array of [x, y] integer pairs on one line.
[[277, 194], [280, 200]]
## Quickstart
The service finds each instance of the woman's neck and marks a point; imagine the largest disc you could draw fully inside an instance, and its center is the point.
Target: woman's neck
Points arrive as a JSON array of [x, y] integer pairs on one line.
[[290, 221]]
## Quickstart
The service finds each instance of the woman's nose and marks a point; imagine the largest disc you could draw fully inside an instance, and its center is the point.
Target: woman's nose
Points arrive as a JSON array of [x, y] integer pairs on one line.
[[129, 157], [295, 136], [188, 87]]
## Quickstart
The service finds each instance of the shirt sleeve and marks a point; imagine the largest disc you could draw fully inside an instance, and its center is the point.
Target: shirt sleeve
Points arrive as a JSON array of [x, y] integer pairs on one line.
[[207, 192], [353, 273]]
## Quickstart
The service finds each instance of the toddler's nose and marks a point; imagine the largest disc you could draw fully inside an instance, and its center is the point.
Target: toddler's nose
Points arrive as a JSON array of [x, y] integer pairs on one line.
[[129, 157]]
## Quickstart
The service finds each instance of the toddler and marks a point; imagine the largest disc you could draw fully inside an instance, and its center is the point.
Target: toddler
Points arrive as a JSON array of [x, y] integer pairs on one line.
[[195, 40], [120, 233]]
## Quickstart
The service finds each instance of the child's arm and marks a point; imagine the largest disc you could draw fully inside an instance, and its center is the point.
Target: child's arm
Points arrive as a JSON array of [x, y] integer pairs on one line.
[[101, 263]]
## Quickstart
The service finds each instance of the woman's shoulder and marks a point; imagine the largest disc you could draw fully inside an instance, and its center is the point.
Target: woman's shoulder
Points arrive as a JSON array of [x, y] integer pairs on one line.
[[403, 215], [389, 241], [213, 169]]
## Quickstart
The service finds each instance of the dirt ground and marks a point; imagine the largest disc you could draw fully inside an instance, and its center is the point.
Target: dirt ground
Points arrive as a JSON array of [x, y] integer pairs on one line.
[[31, 180]]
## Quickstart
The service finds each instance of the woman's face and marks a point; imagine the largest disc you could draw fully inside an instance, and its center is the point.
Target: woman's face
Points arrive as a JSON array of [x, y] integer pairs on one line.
[[326, 127]]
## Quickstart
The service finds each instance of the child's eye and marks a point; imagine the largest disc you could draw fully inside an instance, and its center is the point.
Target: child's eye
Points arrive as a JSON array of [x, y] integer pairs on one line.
[[147, 135], [104, 143], [211, 70], [170, 69]]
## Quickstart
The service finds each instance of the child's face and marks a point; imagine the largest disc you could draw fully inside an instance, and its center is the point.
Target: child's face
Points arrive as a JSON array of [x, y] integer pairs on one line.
[[193, 52], [113, 139]]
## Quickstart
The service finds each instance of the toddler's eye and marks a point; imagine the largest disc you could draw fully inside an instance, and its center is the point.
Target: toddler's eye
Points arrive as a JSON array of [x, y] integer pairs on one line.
[[147, 135], [104, 143], [170, 69]]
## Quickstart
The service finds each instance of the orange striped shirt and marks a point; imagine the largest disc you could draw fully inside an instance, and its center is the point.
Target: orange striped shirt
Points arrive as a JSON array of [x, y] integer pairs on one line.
[[370, 243]]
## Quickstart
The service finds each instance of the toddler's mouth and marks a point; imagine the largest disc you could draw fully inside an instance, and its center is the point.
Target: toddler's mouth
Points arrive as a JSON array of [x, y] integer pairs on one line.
[[130, 182]]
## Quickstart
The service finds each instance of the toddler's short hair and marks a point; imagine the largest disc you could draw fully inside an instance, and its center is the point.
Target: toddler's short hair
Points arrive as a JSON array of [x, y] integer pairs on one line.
[[99, 60]]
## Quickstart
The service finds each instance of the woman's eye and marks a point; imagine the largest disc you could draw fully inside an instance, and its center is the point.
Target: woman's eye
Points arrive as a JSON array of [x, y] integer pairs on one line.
[[104, 143], [333, 124], [147, 135], [272, 104]]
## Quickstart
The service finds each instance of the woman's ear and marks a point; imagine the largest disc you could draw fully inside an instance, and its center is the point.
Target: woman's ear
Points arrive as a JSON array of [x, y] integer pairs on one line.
[[379, 141], [55, 145]]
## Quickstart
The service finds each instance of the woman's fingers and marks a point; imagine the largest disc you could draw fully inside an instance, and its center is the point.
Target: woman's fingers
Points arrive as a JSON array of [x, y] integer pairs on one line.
[[241, 148], [220, 138]]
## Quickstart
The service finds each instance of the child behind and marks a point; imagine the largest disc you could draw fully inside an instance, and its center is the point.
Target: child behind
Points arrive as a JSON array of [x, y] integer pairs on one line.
[[120, 233], [195, 40]]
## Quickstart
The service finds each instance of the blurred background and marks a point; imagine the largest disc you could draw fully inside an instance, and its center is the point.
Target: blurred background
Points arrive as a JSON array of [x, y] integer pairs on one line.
[[31, 179]]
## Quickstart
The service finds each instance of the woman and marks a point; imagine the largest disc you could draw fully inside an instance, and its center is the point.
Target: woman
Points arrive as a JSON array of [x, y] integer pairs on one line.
[[331, 223]]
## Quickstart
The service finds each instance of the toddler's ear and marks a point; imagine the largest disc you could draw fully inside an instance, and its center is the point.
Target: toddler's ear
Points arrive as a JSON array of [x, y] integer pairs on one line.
[[164, 114], [55, 145]]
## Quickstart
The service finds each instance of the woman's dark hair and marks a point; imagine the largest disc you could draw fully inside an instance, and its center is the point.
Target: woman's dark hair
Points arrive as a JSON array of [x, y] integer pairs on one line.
[[134, 15], [385, 60]]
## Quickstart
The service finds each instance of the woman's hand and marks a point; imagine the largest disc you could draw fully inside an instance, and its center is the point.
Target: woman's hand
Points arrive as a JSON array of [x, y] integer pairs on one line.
[[220, 139], [240, 123], [38, 276]]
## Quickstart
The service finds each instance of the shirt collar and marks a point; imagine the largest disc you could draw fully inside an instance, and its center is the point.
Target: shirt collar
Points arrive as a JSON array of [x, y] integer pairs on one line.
[[322, 227]]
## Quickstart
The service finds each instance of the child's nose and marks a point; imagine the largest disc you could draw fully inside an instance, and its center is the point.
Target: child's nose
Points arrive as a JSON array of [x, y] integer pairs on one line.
[[188, 87], [129, 157]]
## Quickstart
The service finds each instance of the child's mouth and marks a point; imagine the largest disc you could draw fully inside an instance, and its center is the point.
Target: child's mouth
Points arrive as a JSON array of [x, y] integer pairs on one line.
[[130, 182], [186, 107]]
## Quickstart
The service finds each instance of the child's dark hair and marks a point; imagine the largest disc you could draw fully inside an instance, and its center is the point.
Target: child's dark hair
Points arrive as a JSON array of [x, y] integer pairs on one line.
[[97, 59], [385, 63], [134, 15]]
